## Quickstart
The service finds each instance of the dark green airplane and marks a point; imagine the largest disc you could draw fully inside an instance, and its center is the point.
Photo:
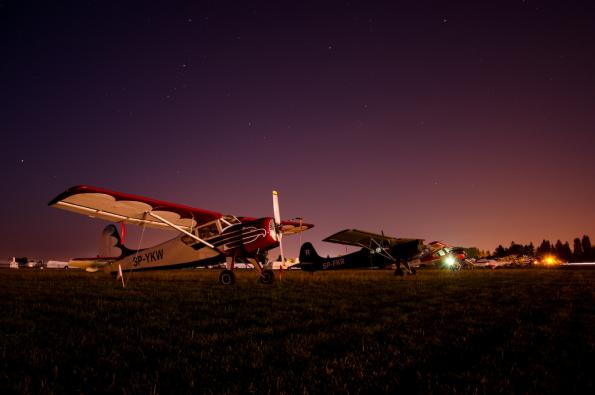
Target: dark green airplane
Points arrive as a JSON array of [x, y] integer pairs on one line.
[[377, 251]]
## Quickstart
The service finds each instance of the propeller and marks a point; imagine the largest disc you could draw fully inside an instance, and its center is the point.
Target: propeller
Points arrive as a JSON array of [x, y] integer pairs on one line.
[[277, 218]]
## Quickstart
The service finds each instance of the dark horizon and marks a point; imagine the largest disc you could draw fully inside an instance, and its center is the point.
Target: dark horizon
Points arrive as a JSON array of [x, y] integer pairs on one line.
[[467, 123]]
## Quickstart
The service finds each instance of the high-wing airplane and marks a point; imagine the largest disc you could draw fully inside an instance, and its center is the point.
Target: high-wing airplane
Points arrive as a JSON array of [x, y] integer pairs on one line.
[[377, 250], [440, 255], [206, 237]]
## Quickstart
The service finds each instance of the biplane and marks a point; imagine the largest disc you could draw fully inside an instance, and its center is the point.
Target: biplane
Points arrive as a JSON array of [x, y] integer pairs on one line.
[[377, 251], [205, 237]]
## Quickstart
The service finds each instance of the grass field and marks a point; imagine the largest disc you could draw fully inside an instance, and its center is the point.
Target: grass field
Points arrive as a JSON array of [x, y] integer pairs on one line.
[[479, 331]]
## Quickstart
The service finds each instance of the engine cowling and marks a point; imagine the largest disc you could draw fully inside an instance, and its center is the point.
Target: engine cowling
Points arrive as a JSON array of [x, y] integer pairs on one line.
[[259, 235]]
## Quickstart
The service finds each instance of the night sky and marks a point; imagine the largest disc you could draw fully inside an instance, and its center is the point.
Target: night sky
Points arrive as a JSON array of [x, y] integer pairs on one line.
[[471, 123]]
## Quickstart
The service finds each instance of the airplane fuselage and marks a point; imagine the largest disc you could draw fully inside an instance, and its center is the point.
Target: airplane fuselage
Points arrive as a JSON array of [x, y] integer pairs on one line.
[[245, 239], [311, 262]]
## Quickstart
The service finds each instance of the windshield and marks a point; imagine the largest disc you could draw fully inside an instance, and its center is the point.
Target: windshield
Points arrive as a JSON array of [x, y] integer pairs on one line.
[[229, 220]]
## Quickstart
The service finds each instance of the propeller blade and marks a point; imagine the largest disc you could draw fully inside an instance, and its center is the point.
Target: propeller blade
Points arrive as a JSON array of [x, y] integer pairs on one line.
[[277, 216], [276, 212]]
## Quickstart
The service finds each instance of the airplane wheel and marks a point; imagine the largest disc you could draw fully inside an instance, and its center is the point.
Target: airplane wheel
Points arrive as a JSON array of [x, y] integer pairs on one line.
[[267, 277], [227, 277], [413, 271], [399, 272]]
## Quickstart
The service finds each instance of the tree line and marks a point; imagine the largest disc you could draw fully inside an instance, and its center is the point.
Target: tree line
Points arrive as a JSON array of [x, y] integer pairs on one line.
[[581, 250]]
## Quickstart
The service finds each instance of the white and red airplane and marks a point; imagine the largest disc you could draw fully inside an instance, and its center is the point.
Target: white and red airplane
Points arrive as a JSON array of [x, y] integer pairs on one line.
[[439, 254], [206, 237]]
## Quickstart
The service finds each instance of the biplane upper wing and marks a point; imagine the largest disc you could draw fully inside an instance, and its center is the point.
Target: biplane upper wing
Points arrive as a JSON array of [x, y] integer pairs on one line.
[[131, 209], [360, 238]]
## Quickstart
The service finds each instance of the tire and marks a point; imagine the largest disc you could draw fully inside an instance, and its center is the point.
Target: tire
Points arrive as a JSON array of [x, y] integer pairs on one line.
[[227, 277], [399, 273], [267, 277]]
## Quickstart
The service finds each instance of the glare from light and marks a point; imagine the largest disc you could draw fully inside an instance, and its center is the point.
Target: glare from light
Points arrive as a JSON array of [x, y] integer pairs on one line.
[[449, 261], [550, 260]]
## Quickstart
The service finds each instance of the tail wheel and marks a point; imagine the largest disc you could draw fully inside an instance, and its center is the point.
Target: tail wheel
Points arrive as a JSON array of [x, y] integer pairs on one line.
[[267, 277], [227, 277]]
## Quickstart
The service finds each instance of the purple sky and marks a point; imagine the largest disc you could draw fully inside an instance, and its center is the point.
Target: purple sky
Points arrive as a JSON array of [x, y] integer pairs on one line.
[[470, 123]]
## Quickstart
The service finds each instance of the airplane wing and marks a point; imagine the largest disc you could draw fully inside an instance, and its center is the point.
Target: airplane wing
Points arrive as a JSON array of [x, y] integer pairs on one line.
[[288, 227], [360, 238], [131, 209], [293, 227]]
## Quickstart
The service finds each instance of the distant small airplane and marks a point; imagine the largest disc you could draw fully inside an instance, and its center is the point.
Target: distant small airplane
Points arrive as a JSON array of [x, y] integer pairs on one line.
[[377, 250], [491, 263], [439, 254], [206, 237]]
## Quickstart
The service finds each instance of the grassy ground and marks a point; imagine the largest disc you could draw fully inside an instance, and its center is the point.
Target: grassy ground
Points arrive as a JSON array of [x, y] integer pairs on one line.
[[480, 331]]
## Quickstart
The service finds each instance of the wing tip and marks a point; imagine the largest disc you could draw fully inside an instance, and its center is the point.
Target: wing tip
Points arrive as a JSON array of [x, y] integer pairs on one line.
[[67, 192]]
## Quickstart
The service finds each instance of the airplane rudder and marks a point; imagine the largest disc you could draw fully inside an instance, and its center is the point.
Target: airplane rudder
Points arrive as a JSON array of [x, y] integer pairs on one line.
[[111, 245], [308, 253]]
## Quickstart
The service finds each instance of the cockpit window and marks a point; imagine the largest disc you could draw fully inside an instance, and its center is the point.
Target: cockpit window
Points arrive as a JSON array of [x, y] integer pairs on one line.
[[207, 231], [230, 219]]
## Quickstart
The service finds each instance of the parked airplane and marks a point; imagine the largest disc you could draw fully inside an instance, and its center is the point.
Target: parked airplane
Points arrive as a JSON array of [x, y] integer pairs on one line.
[[491, 263], [377, 250], [439, 254], [206, 237]]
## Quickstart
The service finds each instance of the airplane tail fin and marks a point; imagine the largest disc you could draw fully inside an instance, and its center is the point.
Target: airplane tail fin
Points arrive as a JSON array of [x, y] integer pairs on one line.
[[111, 243], [309, 258]]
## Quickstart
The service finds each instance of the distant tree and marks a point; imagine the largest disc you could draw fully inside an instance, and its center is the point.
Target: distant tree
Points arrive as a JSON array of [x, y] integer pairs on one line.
[[577, 253], [544, 248], [515, 249], [500, 252], [529, 249], [558, 248], [566, 253], [588, 251], [472, 252]]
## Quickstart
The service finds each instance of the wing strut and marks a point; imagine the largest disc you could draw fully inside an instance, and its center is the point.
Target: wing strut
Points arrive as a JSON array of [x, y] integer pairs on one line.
[[379, 249], [176, 227]]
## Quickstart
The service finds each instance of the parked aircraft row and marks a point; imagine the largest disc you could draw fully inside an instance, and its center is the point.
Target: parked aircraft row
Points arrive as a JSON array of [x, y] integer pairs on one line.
[[209, 238]]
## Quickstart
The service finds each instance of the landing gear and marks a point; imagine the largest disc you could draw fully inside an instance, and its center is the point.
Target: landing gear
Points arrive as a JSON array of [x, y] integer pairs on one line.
[[401, 273], [227, 277], [267, 277]]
